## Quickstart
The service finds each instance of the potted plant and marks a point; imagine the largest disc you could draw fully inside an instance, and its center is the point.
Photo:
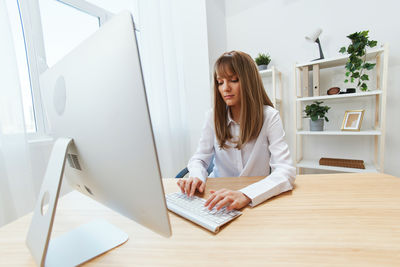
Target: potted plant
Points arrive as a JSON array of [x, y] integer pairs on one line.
[[316, 113], [262, 61], [356, 65]]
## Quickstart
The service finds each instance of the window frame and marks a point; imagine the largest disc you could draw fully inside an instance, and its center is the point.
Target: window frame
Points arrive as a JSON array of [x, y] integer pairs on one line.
[[29, 12]]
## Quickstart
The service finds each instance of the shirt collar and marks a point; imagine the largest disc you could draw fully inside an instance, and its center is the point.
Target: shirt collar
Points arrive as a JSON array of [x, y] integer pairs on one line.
[[229, 119]]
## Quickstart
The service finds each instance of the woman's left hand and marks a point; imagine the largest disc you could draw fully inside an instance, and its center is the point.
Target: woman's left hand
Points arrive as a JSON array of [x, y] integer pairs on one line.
[[225, 197]]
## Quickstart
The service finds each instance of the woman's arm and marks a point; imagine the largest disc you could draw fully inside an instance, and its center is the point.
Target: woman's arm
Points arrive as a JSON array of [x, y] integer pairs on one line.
[[283, 172]]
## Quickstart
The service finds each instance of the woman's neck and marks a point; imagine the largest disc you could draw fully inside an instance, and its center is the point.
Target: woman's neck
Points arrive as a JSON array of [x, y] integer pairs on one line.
[[235, 113]]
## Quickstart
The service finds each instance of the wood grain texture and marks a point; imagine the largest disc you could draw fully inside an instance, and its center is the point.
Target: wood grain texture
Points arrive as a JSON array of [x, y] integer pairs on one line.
[[316, 84], [304, 82], [331, 219]]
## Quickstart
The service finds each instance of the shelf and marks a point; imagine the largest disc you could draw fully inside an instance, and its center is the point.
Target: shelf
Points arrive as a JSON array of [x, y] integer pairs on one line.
[[369, 132], [324, 97], [315, 165], [267, 72], [275, 78], [338, 61]]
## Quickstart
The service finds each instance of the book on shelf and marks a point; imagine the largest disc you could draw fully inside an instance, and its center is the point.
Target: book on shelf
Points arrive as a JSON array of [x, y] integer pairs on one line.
[[346, 163]]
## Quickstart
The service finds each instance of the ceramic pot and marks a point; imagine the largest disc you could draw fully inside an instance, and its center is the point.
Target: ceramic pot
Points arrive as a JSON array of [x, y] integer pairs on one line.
[[317, 125], [262, 67]]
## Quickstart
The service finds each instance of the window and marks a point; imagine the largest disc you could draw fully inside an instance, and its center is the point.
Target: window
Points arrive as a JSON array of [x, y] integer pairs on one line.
[[64, 28], [44, 32], [23, 70], [65, 23]]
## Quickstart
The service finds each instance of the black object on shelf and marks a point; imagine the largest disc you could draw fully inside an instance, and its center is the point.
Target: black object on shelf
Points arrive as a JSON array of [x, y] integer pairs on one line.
[[349, 91]]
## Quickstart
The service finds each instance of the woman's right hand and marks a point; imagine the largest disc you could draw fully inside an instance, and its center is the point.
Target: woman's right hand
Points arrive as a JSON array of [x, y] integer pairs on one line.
[[188, 186]]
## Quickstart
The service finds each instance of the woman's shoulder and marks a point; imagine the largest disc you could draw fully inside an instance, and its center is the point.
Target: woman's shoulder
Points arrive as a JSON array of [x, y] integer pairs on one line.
[[271, 116], [270, 112], [209, 114], [209, 117]]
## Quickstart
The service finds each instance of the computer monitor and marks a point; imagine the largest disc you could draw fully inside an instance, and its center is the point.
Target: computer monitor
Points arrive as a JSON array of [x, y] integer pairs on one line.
[[96, 105]]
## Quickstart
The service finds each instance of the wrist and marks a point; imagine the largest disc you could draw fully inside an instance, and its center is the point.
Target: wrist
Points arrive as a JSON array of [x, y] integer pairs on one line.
[[246, 198]]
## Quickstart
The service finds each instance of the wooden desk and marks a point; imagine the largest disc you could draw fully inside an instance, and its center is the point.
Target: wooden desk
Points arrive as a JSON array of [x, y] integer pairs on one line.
[[339, 219]]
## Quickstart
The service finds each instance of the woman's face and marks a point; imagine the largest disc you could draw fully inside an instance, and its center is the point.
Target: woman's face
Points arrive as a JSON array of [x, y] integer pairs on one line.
[[229, 88]]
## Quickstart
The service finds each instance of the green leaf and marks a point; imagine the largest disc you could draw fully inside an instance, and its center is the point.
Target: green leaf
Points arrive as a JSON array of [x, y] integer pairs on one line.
[[314, 117], [347, 73], [364, 87], [342, 50], [364, 77], [369, 66], [355, 74], [352, 36], [348, 65], [357, 62], [346, 81], [352, 79], [372, 43]]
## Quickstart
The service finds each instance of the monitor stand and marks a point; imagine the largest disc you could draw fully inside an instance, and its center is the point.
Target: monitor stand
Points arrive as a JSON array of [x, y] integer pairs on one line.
[[76, 246]]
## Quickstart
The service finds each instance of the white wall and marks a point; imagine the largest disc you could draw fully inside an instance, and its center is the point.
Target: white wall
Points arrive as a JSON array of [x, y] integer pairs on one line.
[[216, 29], [279, 27]]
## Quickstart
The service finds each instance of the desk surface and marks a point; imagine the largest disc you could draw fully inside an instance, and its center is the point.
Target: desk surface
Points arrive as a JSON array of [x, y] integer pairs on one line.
[[336, 219]]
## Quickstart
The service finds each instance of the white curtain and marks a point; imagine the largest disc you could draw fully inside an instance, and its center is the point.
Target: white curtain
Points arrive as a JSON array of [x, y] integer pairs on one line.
[[17, 195], [159, 41]]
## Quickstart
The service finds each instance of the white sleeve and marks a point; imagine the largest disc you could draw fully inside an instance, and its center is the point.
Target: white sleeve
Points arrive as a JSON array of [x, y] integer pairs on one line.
[[283, 172], [200, 161]]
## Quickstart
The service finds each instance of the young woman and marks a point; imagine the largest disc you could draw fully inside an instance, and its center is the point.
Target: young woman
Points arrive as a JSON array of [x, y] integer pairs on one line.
[[244, 133]]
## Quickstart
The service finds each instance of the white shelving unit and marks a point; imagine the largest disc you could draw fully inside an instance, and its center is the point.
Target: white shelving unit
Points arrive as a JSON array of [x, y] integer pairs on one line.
[[276, 77], [303, 97]]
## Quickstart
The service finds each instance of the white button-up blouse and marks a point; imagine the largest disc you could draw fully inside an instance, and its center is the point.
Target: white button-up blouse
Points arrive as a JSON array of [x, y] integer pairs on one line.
[[269, 152]]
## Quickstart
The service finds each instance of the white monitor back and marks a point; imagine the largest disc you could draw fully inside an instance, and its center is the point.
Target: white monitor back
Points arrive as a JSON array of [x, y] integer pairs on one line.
[[96, 96]]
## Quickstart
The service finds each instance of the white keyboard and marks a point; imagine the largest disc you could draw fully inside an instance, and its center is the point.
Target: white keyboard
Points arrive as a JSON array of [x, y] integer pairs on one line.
[[192, 208]]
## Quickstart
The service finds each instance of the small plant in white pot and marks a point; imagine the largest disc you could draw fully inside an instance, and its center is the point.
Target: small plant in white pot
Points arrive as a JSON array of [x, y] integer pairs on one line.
[[316, 113], [262, 61]]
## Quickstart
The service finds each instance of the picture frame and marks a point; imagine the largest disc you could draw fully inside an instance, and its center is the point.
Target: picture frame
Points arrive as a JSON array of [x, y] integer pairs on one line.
[[352, 120]]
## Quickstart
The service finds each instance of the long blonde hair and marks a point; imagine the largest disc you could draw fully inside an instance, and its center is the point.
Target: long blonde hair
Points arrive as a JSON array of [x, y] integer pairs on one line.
[[252, 94]]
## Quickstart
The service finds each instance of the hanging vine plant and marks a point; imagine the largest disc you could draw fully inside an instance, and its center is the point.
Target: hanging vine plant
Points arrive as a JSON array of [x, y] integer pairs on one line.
[[356, 65]]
